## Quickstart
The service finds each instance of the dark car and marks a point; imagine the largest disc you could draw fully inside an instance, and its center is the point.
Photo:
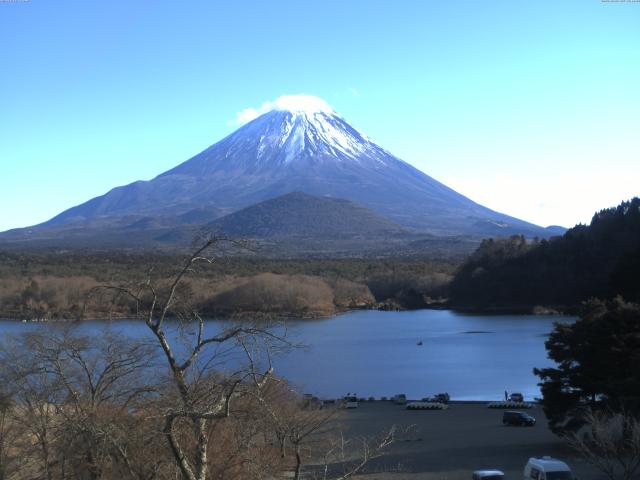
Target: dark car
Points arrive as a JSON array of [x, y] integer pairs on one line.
[[438, 398], [518, 418], [442, 397], [516, 397]]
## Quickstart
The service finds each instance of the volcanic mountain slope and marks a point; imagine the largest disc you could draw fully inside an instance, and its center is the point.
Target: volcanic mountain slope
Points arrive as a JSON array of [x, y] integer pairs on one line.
[[303, 215], [294, 225], [301, 225], [301, 145]]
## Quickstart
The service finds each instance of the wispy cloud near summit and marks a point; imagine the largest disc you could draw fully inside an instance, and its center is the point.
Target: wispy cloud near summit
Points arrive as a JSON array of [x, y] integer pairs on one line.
[[293, 103]]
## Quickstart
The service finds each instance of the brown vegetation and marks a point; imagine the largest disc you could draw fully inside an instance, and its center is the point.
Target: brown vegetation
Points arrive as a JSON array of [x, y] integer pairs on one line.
[[182, 405], [95, 408], [301, 295], [610, 442], [53, 286], [42, 296], [90, 408]]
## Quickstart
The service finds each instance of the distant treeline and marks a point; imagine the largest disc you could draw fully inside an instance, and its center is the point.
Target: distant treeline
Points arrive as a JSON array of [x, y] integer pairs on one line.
[[599, 260], [55, 284]]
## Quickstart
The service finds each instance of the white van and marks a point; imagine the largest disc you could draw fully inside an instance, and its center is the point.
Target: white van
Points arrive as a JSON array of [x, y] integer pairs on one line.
[[547, 468]]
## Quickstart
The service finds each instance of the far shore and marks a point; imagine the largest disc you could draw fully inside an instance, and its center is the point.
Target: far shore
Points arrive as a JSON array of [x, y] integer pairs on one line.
[[37, 317]]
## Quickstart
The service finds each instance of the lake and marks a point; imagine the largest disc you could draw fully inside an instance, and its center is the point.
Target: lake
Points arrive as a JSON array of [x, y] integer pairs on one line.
[[375, 353]]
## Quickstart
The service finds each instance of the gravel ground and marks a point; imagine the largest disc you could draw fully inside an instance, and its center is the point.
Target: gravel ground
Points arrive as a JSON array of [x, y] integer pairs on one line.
[[450, 444]]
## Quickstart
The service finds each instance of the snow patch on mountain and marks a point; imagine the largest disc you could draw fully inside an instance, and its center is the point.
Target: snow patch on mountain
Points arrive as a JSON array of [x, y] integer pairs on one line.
[[303, 128], [313, 134]]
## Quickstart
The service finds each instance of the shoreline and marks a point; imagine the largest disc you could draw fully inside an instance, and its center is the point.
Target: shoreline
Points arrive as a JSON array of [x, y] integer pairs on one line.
[[260, 316], [227, 315], [319, 315], [515, 310]]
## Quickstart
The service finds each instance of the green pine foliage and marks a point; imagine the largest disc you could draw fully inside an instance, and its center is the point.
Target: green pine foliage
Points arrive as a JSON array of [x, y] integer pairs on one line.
[[597, 364], [599, 260]]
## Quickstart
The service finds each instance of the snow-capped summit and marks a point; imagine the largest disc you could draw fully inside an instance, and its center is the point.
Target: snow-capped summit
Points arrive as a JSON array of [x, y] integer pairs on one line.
[[300, 128], [312, 136], [297, 143]]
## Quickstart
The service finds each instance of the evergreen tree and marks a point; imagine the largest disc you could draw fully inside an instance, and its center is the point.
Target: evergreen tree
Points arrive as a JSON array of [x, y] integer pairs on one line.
[[598, 358], [600, 260]]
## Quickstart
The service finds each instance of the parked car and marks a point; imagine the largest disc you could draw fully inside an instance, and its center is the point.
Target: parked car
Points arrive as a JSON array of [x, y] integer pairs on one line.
[[442, 397], [350, 402], [516, 397], [487, 475], [547, 468], [400, 399], [437, 398], [513, 417]]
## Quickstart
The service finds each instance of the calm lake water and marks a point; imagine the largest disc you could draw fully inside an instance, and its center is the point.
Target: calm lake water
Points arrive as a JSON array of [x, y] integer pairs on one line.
[[373, 353]]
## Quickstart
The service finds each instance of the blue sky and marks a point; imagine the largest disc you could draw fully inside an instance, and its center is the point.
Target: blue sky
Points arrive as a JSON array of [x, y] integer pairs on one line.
[[531, 108]]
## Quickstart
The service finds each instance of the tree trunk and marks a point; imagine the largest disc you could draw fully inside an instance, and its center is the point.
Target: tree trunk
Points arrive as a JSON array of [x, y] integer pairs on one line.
[[176, 449], [45, 456], [298, 471], [203, 443]]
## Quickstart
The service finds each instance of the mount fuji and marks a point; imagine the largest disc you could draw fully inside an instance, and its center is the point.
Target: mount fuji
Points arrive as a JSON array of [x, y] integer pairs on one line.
[[299, 145]]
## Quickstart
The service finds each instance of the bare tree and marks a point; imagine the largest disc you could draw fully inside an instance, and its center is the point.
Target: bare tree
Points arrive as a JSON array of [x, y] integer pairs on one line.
[[202, 393], [76, 399], [9, 435], [312, 435], [34, 398], [301, 428], [348, 457], [610, 442]]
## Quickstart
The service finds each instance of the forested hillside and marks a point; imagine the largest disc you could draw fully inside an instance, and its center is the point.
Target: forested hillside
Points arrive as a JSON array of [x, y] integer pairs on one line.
[[597, 260]]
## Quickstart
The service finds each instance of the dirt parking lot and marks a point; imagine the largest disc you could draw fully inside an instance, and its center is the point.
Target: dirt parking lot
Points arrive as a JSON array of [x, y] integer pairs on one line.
[[450, 444]]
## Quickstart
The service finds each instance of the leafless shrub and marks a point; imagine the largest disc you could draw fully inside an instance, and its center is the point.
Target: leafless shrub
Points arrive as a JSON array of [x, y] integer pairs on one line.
[[44, 296], [349, 294], [11, 460], [610, 442], [347, 457], [77, 399], [268, 292]]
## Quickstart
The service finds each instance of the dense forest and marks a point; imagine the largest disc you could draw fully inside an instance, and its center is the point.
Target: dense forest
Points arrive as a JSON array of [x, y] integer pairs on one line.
[[597, 260], [54, 285]]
